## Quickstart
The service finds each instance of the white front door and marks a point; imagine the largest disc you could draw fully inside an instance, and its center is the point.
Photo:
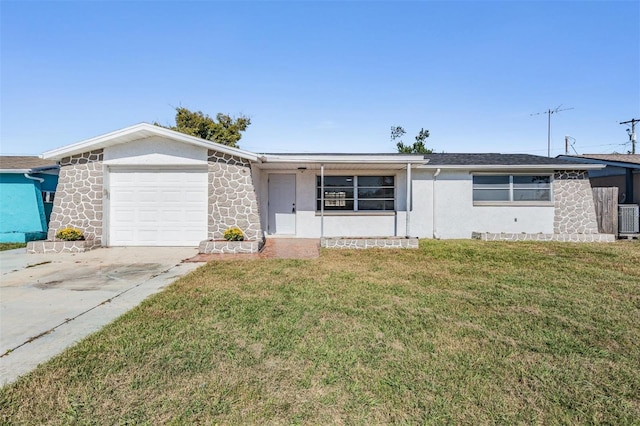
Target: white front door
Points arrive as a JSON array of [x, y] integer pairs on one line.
[[282, 204], [157, 207]]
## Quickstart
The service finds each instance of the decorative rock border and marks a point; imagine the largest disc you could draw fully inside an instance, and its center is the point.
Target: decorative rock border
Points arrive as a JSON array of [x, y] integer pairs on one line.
[[223, 246], [41, 247], [366, 243], [568, 238]]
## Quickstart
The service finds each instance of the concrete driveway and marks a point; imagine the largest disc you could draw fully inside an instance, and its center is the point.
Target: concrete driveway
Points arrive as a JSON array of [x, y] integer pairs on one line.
[[49, 302]]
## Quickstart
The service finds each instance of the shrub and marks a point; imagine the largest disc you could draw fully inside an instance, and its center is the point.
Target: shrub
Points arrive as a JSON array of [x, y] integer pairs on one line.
[[70, 234], [233, 234]]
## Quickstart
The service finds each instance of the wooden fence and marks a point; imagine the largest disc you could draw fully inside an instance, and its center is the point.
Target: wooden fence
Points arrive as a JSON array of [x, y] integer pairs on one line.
[[606, 201]]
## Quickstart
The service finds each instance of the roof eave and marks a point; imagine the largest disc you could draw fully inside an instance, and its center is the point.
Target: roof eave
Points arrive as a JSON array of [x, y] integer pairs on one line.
[[612, 163], [117, 137], [504, 167]]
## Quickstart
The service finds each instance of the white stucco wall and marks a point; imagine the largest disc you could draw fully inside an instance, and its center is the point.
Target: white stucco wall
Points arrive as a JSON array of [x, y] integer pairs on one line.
[[457, 217], [308, 221], [155, 151]]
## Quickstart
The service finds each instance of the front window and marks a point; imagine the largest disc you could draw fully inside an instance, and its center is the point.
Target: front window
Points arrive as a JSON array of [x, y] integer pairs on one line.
[[356, 193], [511, 188], [48, 196]]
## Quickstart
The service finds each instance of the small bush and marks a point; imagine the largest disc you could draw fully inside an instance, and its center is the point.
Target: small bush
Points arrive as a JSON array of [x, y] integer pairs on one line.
[[70, 234], [233, 234]]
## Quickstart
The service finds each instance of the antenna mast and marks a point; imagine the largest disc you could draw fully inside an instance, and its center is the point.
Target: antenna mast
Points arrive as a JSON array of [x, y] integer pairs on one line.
[[549, 112]]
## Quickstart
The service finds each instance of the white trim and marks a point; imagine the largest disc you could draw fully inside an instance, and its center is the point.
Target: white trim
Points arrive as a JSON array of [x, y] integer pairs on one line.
[[514, 203], [16, 171], [142, 131], [343, 158], [358, 213]]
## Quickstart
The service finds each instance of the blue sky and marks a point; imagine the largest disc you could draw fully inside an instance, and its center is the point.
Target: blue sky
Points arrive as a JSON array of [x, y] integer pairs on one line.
[[325, 76]]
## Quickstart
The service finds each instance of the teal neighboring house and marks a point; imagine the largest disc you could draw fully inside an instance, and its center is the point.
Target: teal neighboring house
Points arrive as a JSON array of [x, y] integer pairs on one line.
[[27, 190]]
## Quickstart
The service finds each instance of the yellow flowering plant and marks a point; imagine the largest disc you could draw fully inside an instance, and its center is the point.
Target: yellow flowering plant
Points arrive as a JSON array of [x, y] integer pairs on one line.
[[70, 234]]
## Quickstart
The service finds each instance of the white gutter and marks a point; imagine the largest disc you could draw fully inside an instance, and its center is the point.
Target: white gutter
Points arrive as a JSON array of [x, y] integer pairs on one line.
[[19, 171], [433, 204], [33, 177]]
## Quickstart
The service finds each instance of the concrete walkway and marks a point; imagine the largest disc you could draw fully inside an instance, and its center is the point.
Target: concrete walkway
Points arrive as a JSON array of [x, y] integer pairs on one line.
[[291, 248], [49, 302]]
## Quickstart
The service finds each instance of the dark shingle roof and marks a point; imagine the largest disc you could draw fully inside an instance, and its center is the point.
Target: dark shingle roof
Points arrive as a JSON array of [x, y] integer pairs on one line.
[[491, 159], [23, 162], [620, 158]]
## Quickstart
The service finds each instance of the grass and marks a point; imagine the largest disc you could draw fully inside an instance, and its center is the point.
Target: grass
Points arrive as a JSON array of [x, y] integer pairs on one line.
[[457, 332], [11, 246]]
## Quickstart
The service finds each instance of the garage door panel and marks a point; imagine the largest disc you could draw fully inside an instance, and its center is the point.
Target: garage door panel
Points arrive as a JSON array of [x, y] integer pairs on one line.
[[147, 215], [164, 208], [123, 194], [192, 196], [123, 214], [174, 196], [147, 196], [172, 216], [192, 217]]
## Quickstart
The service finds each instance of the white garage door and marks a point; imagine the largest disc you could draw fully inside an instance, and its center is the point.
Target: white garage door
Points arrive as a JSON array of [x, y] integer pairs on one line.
[[157, 208]]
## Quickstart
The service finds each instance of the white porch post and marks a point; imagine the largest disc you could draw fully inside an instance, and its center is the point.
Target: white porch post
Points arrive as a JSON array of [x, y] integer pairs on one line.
[[409, 200], [322, 200]]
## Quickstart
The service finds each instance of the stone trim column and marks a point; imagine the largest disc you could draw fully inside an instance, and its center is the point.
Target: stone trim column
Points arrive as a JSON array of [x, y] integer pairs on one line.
[[574, 208], [78, 201], [232, 197]]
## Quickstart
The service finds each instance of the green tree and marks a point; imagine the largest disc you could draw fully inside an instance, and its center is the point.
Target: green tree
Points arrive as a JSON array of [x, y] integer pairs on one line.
[[418, 146], [224, 129]]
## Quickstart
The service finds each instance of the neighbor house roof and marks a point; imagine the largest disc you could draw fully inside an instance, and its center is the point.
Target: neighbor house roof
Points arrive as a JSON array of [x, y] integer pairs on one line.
[[141, 131], [631, 161], [24, 164], [501, 161]]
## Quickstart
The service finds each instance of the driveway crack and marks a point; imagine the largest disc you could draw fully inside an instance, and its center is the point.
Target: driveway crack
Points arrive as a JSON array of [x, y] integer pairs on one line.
[[68, 320]]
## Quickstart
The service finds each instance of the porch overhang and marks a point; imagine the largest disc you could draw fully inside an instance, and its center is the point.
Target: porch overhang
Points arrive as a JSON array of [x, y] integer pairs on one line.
[[340, 161]]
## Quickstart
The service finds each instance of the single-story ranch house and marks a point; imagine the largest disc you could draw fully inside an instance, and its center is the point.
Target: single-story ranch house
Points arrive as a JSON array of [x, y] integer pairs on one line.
[[149, 186]]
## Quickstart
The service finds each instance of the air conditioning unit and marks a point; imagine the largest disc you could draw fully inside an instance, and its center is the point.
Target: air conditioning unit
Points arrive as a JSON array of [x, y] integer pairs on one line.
[[628, 219]]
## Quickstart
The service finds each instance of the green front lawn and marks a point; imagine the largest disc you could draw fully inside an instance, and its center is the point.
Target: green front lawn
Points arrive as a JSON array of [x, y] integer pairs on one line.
[[457, 332], [11, 246]]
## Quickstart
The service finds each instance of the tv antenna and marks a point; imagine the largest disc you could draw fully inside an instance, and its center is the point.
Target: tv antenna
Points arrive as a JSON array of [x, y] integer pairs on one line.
[[549, 112], [569, 141]]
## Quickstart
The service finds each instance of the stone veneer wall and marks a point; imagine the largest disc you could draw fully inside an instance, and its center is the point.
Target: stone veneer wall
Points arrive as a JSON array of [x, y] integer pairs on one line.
[[232, 197], [78, 200], [575, 211], [234, 247], [367, 243], [567, 238]]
